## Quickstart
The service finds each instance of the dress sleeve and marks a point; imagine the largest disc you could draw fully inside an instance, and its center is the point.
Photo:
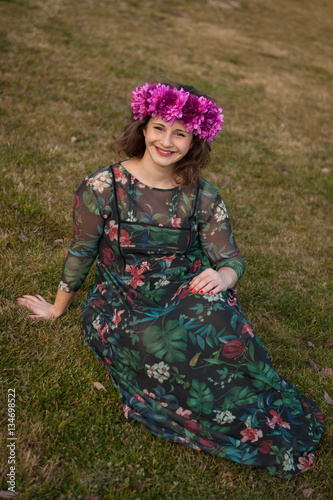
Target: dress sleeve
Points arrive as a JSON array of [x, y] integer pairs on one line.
[[215, 233], [88, 225]]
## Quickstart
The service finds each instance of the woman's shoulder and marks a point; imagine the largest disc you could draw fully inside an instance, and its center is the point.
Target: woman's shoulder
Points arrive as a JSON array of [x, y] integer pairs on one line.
[[101, 179], [207, 189]]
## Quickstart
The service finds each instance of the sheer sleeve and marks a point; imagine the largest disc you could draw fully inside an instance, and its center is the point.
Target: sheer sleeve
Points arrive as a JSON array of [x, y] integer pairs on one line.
[[216, 236], [88, 225]]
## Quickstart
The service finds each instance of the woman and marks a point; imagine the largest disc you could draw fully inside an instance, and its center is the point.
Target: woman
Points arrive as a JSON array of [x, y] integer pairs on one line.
[[163, 316]]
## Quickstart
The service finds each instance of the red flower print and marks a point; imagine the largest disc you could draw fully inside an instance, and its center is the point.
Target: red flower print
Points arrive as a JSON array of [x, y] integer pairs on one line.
[[265, 446], [276, 420], [131, 295], [150, 394], [251, 434], [175, 221], [197, 265], [126, 410], [192, 426], [98, 303], [137, 273], [121, 194], [305, 461], [232, 349], [76, 201], [183, 413], [116, 317], [102, 331], [120, 176], [74, 229], [107, 361], [319, 417], [108, 256], [125, 239], [139, 398], [248, 329], [184, 293], [113, 230], [206, 443], [168, 258]]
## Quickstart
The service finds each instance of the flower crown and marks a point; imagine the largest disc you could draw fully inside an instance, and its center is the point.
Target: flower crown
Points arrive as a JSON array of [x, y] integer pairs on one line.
[[200, 116]]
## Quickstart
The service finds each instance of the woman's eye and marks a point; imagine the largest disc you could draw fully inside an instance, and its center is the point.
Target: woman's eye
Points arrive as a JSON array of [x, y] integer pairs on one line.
[[158, 128], [180, 134]]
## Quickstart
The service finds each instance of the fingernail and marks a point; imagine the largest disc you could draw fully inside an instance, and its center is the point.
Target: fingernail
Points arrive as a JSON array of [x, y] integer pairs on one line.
[[194, 291], [190, 288], [201, 292], [212, 293]]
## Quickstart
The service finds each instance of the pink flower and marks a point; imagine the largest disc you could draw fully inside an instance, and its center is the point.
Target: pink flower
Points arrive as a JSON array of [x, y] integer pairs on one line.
[[305, 461], [232, 299], [120, 176], [150, 394], [251, 434], [102, 331], [175, 221], [116, 317], [126, 410], [248, 329], [183, 413], [199, 115], [276, 420]]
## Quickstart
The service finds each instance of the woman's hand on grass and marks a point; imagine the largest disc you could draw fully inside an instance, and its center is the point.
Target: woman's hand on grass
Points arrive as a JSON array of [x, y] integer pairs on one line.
[[38, 305]]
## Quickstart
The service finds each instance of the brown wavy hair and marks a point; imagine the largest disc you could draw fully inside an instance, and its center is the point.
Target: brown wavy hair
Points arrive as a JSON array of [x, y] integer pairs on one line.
[[188, 170]]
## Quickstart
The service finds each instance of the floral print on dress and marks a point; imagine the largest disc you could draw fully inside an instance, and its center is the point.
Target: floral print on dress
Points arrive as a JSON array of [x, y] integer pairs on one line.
[[189, 367]]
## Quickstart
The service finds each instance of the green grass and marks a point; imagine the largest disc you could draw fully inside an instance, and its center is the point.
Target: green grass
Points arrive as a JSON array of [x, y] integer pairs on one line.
[[67, 71]]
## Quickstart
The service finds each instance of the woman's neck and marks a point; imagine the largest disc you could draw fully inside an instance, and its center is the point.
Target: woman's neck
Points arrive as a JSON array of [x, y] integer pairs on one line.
[[151, 174]]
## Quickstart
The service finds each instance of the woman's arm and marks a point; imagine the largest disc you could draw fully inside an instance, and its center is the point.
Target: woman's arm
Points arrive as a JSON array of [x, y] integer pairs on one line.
[[217, 240], [88, 223], [43, 309]]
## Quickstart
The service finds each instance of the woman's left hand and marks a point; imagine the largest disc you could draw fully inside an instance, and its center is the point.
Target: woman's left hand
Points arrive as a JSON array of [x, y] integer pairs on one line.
[[211, 281]]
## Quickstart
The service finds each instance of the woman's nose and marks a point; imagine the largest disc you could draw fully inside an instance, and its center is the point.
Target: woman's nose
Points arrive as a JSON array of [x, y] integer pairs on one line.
[[166, 140]]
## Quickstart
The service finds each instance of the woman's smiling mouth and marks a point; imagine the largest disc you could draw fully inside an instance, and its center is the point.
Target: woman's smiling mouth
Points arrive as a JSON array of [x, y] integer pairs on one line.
[[164, 152]]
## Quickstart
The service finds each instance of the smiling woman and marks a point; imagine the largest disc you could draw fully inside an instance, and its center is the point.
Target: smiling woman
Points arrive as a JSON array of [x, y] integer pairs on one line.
[[163, 316]]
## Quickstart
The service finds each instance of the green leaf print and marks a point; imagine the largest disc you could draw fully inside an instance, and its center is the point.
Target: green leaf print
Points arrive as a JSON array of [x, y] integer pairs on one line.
[[130, 357], [239, 396], [90, 202], [167, 343], [201, 399], [263, 375]]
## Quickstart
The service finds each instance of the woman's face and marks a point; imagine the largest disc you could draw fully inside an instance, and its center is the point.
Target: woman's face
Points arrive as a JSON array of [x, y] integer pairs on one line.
[[166, 144]]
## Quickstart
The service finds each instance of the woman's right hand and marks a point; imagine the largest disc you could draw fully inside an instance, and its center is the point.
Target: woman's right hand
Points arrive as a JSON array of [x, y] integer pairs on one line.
[[38, 305]]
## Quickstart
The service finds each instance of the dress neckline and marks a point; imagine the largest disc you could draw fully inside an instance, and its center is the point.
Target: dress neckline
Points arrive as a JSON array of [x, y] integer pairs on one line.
[[142, 183]]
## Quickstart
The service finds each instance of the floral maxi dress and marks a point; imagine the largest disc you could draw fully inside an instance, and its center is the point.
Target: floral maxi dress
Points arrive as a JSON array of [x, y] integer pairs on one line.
[[189, 367]]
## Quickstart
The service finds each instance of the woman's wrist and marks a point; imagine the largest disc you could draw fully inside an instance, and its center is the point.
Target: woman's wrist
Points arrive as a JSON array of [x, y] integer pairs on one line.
[[229, 276]]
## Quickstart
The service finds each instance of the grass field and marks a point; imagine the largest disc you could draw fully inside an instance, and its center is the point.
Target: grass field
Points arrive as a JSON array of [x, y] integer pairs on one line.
[[67, 71]]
